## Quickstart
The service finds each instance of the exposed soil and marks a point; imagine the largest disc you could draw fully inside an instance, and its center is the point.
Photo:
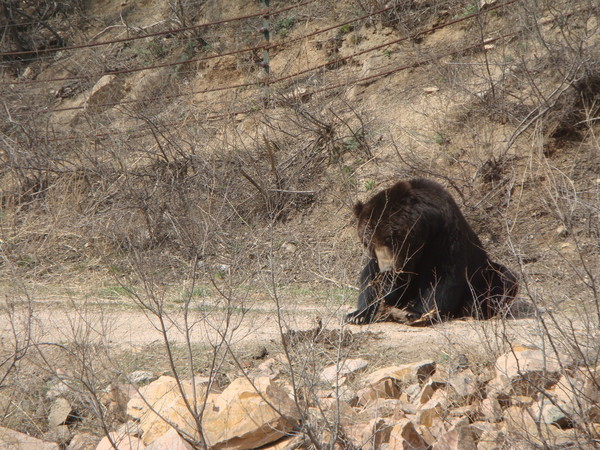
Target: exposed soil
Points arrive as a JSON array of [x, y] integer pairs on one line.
[[126, 326]]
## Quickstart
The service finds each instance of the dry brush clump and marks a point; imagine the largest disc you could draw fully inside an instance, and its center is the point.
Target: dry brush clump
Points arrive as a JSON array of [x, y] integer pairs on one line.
[[190, 194]]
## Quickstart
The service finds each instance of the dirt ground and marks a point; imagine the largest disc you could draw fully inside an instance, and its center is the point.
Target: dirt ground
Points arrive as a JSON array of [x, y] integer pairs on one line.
[[126, 326]]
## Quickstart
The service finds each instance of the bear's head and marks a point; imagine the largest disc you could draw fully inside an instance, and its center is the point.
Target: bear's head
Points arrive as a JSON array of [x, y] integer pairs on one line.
[[378, 224]]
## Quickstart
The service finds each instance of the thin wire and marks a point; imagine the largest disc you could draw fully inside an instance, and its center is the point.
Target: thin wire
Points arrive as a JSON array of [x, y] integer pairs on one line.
[[159, 33], [279, 44]]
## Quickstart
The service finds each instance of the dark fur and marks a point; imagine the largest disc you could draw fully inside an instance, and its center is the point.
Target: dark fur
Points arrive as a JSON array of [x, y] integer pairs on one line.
[[441, 268]]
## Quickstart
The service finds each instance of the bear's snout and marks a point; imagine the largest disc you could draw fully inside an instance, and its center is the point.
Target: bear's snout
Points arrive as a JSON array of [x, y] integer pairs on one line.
[[385, 258]]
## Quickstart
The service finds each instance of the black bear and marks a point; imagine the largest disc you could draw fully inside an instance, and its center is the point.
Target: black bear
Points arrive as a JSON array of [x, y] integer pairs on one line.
[[425, 258]]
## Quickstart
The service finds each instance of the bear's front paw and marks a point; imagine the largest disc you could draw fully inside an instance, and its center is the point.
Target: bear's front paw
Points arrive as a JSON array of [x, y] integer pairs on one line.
[[357, 318]]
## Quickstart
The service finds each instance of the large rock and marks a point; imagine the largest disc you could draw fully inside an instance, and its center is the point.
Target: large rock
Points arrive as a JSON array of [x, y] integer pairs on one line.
[[405, 374], [434, 409], [462, 437], [421, 395], [376, 433], [463, 386], [549, 412], [158, 393], [389, 407], [60, 412], [525, 370], [338, 371], [578, 396], [243, 416], [404, 436], [170, 409], [162, 392], [122, 442], [386, 382], [491, 410], [13, 440], [384, 389], [83, 441], [492, 440], [171, 441], [249, 416], [522, 428]]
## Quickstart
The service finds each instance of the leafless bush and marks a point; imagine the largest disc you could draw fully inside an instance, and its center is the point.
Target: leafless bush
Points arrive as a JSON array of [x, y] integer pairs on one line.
[[411, 16]]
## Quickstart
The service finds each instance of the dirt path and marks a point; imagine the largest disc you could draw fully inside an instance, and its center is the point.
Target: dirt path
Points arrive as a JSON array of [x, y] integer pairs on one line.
[[128, 326]]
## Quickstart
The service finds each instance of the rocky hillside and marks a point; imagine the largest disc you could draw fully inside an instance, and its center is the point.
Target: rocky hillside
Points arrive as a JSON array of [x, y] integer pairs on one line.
[[176, 188], [157, 129]]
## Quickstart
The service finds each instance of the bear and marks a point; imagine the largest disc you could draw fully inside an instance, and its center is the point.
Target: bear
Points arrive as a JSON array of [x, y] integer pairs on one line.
[[425, 261]]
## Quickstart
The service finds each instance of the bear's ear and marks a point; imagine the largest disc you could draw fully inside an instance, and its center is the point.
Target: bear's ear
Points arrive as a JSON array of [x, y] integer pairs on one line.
[[400, 189], [358, 207]]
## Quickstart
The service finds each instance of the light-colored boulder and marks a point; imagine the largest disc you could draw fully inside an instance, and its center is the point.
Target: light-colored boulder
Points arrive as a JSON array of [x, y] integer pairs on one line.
[[162, 392], [463, 386], [470, 413], [347, 367], [521, 427], [340, 409], [386, 382], [159, 406], [461, 437], [405, 374], [13, 440], [171, 440], [122, 441], [425, 392], [389, 407], [404, 436], [249, 416], [578, 396], [521, 400], [492, 440], [491, 410], [376, 433], [175, 414], [131, 427], [83, 441], [524, 370], [434, 409], [386, 388], [59, 412], [156, 394], [549, 412]]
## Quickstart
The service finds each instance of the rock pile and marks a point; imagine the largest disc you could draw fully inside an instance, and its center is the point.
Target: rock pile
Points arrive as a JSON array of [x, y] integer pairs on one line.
[[530, 399]]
